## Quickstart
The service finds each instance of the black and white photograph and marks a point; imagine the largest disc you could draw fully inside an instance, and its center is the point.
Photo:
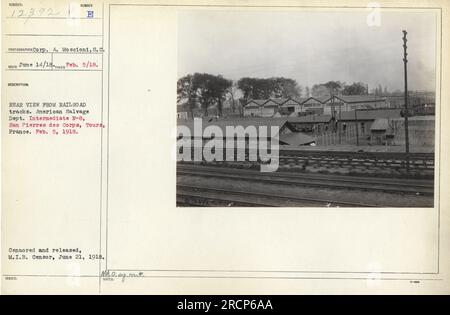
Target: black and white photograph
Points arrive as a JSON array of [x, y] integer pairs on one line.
[[225, 152], [307, 108]]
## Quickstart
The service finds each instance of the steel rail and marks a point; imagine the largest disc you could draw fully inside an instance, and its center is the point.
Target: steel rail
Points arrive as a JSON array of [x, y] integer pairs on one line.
[[225, 195], [309, 180]]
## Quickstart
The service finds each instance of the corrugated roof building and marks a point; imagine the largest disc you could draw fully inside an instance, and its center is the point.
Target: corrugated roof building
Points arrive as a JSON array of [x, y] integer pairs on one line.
[[346, 103]]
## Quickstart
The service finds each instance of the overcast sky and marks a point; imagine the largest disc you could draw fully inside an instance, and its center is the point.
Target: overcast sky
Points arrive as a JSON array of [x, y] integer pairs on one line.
[[310, 47]]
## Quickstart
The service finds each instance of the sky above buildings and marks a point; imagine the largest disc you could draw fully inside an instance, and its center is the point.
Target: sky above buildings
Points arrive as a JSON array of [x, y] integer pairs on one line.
[[310, 46]]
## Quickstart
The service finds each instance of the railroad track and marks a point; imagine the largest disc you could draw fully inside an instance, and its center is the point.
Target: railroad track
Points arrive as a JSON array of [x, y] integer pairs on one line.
[[395, 161], [193, 195], [391, 185], [412, 156]]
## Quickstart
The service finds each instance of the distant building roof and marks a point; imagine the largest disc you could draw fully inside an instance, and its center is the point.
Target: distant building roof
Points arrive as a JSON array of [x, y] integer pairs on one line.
[[256, 102], [271, 103], [380, 124], [310, 119], [244, 122], [294, 101], [279, 100], [286, 101], [321, 99], [290, 138], [370, 114], [428, 117], [296, 138], [360, 98]]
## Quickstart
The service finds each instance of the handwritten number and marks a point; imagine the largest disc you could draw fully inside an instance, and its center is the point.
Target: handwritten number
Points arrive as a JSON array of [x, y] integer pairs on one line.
[[51, 12], [34, 12]]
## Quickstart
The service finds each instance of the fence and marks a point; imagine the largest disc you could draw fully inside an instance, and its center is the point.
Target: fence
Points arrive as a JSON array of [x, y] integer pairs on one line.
[[347, 136]]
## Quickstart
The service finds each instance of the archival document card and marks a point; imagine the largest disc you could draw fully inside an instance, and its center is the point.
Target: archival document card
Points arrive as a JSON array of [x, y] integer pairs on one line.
[[225, 147]]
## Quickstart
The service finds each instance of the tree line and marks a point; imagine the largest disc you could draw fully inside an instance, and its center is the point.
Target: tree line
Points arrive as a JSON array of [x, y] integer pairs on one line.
[[204, 90]]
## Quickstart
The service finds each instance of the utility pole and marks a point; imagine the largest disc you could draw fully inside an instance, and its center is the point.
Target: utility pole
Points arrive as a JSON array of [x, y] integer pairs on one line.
[[357, 132], [339, 124], [405, 60]]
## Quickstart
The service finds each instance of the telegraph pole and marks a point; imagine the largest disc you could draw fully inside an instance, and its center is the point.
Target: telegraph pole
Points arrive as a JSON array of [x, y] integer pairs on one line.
[[405, 60], [356, 124]]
